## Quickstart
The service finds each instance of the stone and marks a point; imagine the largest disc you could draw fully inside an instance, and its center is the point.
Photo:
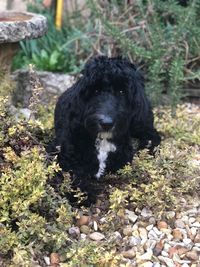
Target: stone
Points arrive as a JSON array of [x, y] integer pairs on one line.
[[84, 229], [143, 234], [127, 231], [53, 85], [146, 213], [74, 231], [96, 236], [147, 264], [149, 227], [158, 248], [83, 220], [187, 241], [192, 255], [54, 258], [197, 238], [196, 224], [162, 224], [131, 216], [134, 241], [179, 223], [130, 254], [169, 262], [177, 234], [83, 236], [146, 256]]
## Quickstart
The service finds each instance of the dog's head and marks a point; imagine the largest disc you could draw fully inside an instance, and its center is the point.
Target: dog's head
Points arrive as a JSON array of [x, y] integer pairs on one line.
[[113, 95]]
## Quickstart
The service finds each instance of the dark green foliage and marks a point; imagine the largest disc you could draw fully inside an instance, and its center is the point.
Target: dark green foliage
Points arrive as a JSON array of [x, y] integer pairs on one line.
[[161, 36]]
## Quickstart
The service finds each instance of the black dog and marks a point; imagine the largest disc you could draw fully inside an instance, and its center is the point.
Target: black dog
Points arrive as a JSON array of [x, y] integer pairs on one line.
[[96, 119]]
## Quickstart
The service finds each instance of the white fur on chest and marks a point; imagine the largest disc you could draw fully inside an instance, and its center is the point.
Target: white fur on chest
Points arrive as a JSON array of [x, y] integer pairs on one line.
[[103, 147]]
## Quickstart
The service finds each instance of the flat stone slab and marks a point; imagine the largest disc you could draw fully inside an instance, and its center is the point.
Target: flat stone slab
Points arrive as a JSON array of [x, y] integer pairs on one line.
[[17, 26]]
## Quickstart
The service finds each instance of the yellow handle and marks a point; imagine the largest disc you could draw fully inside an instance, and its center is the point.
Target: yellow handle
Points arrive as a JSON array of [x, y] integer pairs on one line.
[[59, 10]]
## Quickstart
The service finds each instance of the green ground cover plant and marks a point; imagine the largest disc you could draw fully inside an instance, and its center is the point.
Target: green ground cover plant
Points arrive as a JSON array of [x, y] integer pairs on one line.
[[35, 217]]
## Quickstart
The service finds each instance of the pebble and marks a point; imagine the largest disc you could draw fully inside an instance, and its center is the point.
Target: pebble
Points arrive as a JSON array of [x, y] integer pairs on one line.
[[84, 229], [83, 236], [149, 227], [187, 241], [167, 261], [147, 264], [179, 223], [131, 216], [96, 236], [127, 231], [146, 213], [54, 258], [196, 224], [146, 256], [74, 231], [83, 220], [192, 255], [143, 235], [162, 224], [130, 254], [177, 234], [134, 241]]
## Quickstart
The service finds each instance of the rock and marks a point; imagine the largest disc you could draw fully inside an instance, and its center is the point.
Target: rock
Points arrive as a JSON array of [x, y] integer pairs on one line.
[[83, 220], [197, 238], [179, 223], [152, 220], [146, 256], [196, 224], [134, 241], [127, 231], [187, 241], [74, 231], [84, 229], [192, 255], [146, 213], [147, 264], [182, 251], [162, 224], [191, 220], [54, 258], [95, 226], [131, 216], [143, 234], [177, 234], [150, 244], [158, 248], [158, 233], [117, 235], [170, 215], [164, 253], [53, 84], [47, 260], [96, 236], [169, 262], [83, 236], [130, 254], [172, 251], [149, 227]]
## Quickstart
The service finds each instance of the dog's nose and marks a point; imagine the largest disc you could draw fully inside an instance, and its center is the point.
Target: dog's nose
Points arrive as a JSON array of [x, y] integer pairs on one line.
[[106, 123]]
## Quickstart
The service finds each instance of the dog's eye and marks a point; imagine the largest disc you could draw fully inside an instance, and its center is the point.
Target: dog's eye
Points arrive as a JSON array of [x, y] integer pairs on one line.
[[121, 92], [96, 91]]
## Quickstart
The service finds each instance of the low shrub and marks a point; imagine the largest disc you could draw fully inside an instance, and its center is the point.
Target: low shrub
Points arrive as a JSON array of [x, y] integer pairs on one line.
[[35, 217]]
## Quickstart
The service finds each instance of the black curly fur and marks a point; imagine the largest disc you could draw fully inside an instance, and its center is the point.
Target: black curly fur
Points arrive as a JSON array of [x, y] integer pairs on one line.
[[109, 97]]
